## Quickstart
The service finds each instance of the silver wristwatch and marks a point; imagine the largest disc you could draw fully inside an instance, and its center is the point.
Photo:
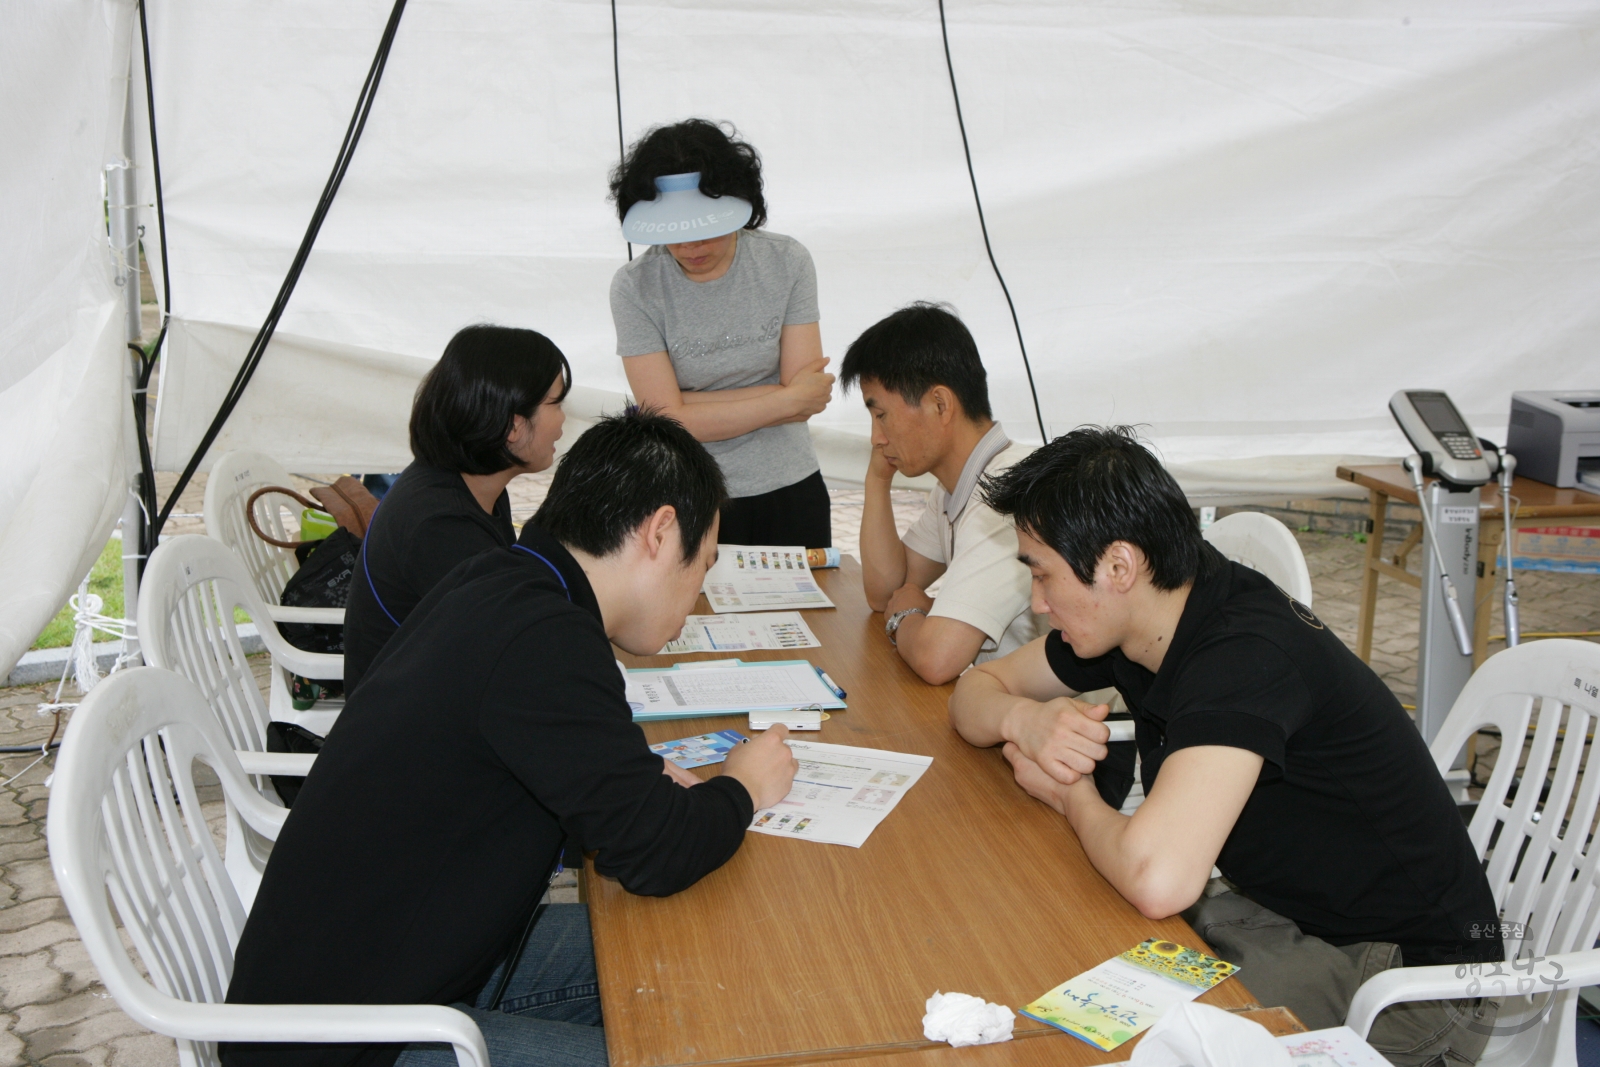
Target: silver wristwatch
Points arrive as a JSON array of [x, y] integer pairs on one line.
[[892, 623]]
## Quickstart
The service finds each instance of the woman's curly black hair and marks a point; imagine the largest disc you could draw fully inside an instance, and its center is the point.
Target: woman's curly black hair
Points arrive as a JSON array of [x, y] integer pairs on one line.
[[727, 165]]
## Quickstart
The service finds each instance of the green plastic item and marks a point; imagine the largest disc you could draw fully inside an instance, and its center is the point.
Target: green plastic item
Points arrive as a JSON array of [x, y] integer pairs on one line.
[[316, 524]]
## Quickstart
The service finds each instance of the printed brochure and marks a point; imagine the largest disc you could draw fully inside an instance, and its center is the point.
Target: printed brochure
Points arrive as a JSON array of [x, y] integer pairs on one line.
[[1124, 996], [702, 751]]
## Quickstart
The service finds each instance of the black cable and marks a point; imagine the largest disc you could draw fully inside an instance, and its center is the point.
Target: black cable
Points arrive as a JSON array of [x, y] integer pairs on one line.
[[45, 748], [984, 226], [155, 166], [616, 75], [258, 347], [146, 487]]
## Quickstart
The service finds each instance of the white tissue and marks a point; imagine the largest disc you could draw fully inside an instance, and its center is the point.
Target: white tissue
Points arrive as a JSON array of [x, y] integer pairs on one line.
[[962, 1019], [1198, 1035]]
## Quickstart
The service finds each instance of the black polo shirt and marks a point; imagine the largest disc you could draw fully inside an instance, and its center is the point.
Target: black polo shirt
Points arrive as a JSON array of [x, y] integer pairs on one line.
[[428, 522], [1350, 830], [493, 723]]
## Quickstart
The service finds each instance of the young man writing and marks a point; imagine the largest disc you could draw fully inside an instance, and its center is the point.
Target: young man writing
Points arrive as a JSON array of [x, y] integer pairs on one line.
[[925, 388], [490, 729], [1268, 750]]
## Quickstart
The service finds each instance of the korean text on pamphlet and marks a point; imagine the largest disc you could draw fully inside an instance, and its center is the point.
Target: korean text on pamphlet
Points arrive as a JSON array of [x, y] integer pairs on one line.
[[742, 633], [762, 578], [841, 793], [1125, 995]]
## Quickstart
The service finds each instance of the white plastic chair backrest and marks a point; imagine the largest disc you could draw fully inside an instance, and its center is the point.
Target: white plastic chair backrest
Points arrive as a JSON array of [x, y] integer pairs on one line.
[[1542, 872], [190, 588], [233, 478], [126, 832], [1263, 544]]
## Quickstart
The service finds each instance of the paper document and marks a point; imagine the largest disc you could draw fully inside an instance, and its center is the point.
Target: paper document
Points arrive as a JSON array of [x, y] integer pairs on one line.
[[702, 751], [762, 578], [1124, 996], [841, 793], [1337, 1046], [680, 693], [740, 633]]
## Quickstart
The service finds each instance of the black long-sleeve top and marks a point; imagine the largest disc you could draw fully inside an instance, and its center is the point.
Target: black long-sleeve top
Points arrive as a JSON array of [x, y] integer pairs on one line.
[[428, 522], [493, 722]]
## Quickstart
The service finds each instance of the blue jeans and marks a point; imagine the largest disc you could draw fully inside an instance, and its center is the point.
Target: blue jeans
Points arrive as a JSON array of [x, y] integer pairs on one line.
[[550, 1013]]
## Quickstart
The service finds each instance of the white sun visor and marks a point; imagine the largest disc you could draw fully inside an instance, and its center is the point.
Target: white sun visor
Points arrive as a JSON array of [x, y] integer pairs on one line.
[[681, 212]]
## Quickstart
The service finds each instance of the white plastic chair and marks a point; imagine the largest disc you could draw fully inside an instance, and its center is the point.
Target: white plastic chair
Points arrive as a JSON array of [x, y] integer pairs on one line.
[[232, 479], [126, 832], [1543, 869], [1263, 544], [186, 600]]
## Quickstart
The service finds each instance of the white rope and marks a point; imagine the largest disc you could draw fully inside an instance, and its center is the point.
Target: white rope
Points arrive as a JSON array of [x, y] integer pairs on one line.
[[87, 620]]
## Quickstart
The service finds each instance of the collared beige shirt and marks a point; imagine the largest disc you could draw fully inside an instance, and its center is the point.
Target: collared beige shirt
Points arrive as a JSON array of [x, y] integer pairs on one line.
[[984, 585]]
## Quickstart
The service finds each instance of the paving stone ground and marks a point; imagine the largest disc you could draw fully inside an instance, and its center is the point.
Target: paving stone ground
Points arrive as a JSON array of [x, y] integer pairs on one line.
[[56, 1013]]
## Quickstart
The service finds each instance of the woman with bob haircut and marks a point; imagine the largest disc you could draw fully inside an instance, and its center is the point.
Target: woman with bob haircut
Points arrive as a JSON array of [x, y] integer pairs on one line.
[[717, 326], [489, 410]]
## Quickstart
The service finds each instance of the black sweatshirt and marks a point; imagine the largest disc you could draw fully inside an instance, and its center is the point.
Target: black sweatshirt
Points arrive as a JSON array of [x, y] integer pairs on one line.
[[428, 522], [1349, 831], [492, 723]]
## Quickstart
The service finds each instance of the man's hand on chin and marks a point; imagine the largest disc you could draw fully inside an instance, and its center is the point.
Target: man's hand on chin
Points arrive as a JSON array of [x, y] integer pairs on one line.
[[1035, 782]]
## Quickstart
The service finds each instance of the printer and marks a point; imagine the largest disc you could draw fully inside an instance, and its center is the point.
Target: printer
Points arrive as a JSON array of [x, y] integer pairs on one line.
[[1556, 438]]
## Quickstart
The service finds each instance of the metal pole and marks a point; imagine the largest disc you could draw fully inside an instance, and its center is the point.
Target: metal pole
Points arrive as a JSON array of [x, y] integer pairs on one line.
[[1450, 559], [122, 209], [121, 189]]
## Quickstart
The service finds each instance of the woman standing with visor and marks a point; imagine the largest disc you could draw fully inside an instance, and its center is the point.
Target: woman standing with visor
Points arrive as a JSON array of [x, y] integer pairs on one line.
[[717, 326]]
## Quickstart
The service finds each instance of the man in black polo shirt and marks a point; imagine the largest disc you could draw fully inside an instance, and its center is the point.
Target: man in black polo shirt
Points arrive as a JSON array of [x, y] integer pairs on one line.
[[491, 727], [1268, 750]]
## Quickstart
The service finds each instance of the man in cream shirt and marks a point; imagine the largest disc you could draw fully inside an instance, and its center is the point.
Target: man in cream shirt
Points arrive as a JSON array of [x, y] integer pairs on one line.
[[924, 385]]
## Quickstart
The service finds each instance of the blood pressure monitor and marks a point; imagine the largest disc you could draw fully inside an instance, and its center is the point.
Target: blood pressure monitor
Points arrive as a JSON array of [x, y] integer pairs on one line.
[[1442, 437], [1449, 451]]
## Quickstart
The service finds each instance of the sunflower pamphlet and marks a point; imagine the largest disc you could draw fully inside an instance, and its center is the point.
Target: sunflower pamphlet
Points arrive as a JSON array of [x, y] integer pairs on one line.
[[1124, 996]]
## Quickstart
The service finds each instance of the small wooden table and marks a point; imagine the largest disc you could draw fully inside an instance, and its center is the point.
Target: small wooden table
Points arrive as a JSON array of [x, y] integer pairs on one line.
[[1532, 500], [799, 952]]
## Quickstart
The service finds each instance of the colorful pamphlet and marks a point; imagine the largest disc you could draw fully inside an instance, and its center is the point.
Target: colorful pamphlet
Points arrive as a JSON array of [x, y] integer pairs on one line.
[[1124, 996], [700, 751], [741, 633], [840, 793], [762, 578]]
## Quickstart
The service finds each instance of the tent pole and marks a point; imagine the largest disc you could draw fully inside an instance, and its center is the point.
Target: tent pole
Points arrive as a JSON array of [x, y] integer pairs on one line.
[[122, 211]]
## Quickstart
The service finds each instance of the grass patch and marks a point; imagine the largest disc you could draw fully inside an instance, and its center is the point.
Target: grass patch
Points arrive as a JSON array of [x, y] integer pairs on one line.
[[105, 581]]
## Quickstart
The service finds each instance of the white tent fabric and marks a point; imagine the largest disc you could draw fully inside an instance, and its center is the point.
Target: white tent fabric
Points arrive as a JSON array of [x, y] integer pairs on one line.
[[1242, 226], [64, 411]]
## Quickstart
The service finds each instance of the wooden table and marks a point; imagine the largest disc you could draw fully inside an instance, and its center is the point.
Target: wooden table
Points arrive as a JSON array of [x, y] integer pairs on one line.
[[1279, 1022], [802, 952], [1532, 500]]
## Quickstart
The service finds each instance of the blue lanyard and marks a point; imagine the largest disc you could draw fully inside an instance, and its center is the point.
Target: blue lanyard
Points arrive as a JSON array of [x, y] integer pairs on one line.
[[552, 566], [368, 570]]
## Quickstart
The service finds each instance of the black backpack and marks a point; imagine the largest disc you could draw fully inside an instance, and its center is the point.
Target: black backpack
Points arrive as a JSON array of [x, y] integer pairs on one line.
[[323, 581]]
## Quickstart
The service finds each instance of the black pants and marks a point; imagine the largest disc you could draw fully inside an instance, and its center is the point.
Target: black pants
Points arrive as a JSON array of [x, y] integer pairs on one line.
[[798, 514]]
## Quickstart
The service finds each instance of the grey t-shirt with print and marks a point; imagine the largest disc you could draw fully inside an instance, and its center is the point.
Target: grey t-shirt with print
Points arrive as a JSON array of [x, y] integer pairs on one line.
[[723, 334]]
